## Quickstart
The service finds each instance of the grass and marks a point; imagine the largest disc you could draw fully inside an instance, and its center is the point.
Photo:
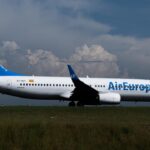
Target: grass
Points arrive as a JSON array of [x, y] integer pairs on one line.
[[46, 128]]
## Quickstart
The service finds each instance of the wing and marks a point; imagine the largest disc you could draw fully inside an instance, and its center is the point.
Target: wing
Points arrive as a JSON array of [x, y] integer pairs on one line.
[[82, 92]]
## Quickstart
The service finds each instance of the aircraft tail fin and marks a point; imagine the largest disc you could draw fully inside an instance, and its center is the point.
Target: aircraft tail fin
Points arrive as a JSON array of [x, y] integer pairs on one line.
[[6, 72]]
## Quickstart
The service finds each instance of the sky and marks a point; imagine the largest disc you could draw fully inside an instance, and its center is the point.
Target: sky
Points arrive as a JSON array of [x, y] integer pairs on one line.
[[102, 38]]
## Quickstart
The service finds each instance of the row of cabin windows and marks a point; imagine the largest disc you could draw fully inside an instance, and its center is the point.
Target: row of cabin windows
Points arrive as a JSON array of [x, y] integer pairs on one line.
[[29, 84], [99, 85], [64, 85]]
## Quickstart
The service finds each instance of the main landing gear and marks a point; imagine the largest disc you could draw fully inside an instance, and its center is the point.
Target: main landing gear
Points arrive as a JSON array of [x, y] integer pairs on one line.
[[80, 104], [73, 104]]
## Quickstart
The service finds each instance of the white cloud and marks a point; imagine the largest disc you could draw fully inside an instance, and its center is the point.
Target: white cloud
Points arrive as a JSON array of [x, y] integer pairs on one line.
[[10, 45], [93, 60], [98, 61], [44, 62], [128, 59], [133, 53], [95, 52]]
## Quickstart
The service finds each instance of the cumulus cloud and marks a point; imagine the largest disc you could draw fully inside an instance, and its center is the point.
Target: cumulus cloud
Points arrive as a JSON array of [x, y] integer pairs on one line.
[[10, 45], [133, 53], [93, 60], [124, 57], [127, 60], [95, 52], [44, 62]]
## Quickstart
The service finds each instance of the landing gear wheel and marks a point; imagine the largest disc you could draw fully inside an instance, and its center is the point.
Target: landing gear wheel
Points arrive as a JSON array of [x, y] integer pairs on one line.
[[80, 104], [72, 104]]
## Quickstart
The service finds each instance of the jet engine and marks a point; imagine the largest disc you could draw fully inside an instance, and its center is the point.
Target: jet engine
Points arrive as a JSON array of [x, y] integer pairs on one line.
[[109, 98]]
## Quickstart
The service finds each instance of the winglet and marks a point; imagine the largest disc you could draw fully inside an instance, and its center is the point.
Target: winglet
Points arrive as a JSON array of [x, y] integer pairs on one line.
[[72, 73]]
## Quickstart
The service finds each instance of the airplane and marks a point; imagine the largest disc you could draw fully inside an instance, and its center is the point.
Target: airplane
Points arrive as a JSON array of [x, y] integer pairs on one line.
[[77, 91]]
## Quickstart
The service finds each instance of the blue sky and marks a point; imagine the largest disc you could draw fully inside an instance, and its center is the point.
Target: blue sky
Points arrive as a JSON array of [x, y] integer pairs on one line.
[[43, 33]]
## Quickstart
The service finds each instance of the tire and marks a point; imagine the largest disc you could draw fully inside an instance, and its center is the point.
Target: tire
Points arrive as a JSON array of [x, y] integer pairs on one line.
[[72, 104], [80, 104]]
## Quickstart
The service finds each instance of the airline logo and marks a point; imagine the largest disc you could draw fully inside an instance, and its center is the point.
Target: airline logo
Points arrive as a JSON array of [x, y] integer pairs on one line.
[[128, 87]]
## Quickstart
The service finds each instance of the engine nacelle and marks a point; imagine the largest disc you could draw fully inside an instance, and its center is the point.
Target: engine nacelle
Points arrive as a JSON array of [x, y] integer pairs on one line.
[[109, 98]]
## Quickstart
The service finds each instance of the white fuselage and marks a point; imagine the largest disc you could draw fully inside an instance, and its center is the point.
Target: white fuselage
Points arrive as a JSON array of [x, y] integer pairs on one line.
[[52, 88]]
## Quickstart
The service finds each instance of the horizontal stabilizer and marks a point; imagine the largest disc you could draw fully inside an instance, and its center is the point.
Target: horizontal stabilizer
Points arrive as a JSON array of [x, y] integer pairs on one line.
[[6, 72]]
